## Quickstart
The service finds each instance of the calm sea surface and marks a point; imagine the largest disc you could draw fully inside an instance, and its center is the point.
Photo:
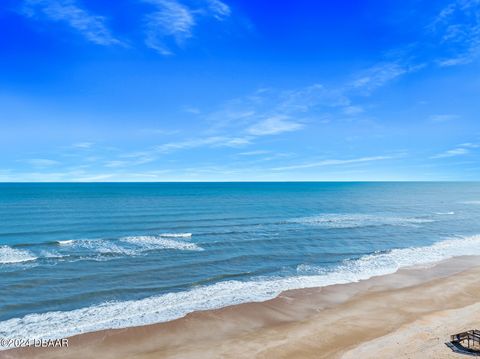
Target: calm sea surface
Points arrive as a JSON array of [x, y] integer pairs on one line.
[[81, 257]]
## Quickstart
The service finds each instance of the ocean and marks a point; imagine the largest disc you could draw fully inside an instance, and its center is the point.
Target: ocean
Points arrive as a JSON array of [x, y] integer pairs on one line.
[[76, 258]]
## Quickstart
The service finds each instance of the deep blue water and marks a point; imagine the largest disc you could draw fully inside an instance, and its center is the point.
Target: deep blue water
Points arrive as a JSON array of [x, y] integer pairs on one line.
[[81, 257]]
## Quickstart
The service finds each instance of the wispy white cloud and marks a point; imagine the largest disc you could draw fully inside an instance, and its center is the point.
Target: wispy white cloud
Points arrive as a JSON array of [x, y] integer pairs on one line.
[[332, 162], [456, 30], [443, 118], [271, 112], [455, 35], [175, 20], [134, 158], [93, 27], [382, 73], [452, 153], [83, 176], [457, 27], [268, 111], [41, 162], [154, 153], [93, 178], [172, 19], [157, 131], [470, 145], [460, 150], [212, 141], [353, 110], [219, 9], [192, 110], [310, 97], [254, 153], [83, 145], [274, 126], [117, 163]]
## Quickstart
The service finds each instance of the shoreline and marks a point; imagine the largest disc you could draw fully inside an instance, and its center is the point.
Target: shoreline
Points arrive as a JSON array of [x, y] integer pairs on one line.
[[325, 322]]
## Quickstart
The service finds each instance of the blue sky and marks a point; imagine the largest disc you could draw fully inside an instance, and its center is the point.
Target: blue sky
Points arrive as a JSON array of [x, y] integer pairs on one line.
[[210, 90]]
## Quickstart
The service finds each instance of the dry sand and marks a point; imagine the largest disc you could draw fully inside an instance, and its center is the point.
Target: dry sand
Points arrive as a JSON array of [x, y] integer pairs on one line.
[[409, 314]]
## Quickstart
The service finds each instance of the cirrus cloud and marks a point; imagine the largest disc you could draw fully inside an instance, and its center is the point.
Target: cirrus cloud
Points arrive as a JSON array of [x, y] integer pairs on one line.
[[93, 27]]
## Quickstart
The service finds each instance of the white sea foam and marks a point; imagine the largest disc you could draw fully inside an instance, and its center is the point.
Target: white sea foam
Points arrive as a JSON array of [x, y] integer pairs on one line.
[[445, 213], [176, 235], [66, 242], [140, 243], [470, 202], [330, 220], [156, 242], [95, 249], [49, 254], [9, 255], [101, 246], [175, 305]]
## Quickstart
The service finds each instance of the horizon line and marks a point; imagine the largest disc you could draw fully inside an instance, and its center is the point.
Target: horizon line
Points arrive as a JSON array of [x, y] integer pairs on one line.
[[240, 181]]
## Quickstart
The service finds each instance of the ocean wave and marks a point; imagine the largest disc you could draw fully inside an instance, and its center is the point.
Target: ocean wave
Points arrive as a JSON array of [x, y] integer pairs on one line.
[[101, 246], [445, 213], [175, 305], [159, 242], [176, 235], [359, 220], [470, 202], [98, 249], [49, 254], [9, 255], [65, 242]]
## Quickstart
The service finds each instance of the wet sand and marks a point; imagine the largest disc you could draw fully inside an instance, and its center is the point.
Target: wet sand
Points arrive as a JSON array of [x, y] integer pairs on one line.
[[408, 314]]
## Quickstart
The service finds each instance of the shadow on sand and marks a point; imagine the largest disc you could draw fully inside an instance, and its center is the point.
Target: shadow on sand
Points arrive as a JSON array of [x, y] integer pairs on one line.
[[460, 349]]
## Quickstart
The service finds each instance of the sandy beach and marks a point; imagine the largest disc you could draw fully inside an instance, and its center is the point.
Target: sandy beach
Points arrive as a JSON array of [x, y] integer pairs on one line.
[[408, 314], [233, 179]]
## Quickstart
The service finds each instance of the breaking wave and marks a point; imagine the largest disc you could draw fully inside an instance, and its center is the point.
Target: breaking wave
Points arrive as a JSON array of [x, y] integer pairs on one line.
[[10, 255], [95, 249], [176, 235], [156, 242], [175, 305], [359, 220]]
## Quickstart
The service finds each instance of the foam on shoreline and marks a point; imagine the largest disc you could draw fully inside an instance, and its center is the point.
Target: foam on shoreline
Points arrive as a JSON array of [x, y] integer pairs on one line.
[[171, 306]]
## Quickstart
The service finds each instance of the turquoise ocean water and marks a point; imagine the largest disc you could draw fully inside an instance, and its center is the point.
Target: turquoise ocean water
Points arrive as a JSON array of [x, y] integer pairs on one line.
[[81, 257]]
